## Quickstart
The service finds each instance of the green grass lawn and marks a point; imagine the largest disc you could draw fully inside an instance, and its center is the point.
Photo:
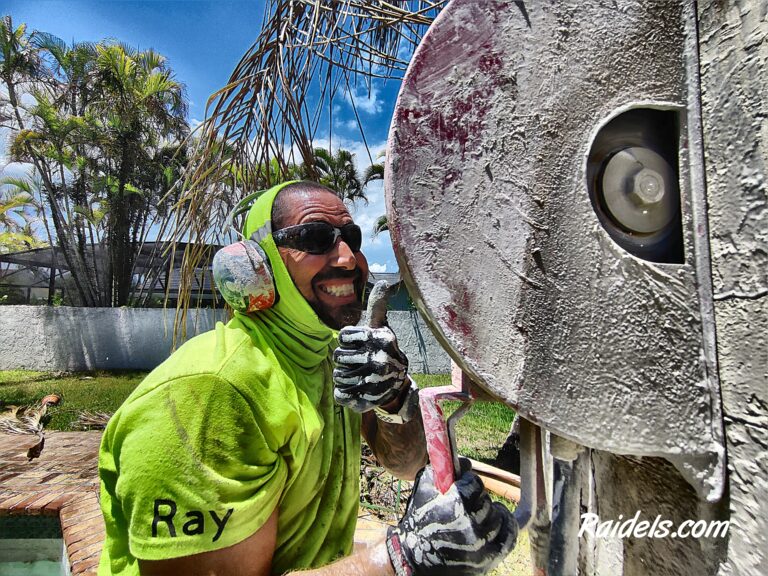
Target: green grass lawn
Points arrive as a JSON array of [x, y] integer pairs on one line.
[[80, 392], [481, 432]]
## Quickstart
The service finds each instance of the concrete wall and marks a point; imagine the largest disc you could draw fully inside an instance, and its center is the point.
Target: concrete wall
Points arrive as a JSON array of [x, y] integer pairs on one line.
[[425, 355], [74, 339], [734, 68]]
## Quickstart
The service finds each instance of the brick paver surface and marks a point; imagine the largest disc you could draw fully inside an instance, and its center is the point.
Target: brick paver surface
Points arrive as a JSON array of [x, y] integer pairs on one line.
[[62, 482]]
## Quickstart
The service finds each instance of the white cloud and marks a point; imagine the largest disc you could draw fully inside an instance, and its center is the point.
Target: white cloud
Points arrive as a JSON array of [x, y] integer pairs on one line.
[[14, 169], [377, 268], [350, 124], [4, 144], [365, 100]]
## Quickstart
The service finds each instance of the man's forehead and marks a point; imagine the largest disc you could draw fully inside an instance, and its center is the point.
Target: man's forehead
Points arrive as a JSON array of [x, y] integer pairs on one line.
[[304, 205]]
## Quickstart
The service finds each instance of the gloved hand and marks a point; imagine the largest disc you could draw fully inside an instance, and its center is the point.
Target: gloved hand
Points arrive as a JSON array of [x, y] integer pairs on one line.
[[460, 532], [370, 368]]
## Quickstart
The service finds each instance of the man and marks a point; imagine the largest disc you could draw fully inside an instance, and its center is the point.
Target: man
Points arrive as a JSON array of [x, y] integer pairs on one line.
[[232, 456]]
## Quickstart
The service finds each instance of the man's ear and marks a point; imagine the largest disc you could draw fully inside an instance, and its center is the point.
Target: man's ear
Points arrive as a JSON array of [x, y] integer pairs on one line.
[[243, 275]]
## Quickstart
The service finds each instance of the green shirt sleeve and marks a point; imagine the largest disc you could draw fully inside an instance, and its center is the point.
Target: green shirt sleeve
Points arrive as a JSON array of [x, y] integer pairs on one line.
[[200, 466]]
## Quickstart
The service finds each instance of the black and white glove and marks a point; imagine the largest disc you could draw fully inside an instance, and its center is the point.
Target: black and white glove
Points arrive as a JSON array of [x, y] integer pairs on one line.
[[459, 533], [371, 370]]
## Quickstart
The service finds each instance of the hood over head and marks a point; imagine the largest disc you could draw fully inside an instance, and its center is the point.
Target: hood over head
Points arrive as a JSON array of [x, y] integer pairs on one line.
[[291, 319]]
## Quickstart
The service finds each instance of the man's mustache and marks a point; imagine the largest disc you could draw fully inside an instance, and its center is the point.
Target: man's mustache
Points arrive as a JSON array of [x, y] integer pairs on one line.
[[355, 275]]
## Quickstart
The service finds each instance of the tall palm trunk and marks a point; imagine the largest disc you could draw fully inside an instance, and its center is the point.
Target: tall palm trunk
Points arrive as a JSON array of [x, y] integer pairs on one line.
[[76, 264], [121, 247]]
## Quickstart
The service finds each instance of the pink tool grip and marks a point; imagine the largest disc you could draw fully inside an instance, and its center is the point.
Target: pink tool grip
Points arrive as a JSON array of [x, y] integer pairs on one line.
[[439, 447]]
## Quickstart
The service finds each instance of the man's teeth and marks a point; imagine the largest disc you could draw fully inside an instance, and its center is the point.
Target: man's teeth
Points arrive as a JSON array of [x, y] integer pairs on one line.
[[340, 290]]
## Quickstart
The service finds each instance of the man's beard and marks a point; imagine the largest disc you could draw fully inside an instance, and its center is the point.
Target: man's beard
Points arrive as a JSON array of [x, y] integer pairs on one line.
[[340, 316]]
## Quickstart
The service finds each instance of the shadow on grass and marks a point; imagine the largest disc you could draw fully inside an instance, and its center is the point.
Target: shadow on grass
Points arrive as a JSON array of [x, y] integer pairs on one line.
[[30, 378], [18, 377]]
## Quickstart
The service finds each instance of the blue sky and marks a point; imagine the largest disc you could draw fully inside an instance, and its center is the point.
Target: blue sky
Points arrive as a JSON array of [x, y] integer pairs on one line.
[[203, 41]]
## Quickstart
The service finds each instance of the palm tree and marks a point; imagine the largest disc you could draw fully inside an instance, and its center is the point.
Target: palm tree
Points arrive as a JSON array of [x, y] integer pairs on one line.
[[40, 132], [16, 230], [44, 137], [373, 173], [103, 135], [140, 104], [19, 61], [338, 172]]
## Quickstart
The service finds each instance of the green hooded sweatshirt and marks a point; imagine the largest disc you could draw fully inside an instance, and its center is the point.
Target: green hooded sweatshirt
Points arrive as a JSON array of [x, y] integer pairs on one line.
[[236, 423]]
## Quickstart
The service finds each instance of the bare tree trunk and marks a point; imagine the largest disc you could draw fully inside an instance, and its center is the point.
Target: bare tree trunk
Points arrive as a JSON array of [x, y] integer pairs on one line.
[[74, 262]]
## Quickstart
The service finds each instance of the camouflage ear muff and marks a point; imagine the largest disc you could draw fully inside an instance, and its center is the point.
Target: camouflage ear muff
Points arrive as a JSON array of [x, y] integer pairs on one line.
[[243, 275], [242, 271]]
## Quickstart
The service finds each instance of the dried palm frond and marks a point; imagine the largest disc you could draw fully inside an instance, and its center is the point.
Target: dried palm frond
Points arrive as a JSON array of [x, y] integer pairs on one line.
[[22, 419], [27, 419], [93, 420], [262, 124], [35, 450]]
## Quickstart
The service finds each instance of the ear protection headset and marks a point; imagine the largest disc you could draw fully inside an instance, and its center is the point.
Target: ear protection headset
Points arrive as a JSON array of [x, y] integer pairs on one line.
[[242, 271]]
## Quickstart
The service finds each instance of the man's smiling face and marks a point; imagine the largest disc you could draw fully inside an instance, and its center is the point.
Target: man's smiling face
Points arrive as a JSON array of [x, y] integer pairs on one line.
[[332, 283]]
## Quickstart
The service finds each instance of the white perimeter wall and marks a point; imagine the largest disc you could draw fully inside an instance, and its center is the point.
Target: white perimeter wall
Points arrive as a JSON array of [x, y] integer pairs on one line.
[[75, 339]]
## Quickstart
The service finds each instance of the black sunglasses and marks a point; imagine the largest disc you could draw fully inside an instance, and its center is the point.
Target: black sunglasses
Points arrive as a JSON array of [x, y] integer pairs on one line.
[[318, 237]]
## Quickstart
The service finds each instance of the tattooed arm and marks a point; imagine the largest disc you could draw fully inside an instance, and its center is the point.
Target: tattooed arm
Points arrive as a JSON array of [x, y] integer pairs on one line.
[[400, 448]]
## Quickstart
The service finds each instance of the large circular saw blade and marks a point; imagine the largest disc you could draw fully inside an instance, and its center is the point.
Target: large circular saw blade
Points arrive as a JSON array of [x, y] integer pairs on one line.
[[462, 225], [496, 236]]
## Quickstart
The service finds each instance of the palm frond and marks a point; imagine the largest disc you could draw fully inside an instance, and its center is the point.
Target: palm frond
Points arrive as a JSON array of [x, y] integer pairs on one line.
[[51, 44], [279, 100], [372, 173], [23, 419], [92, 420], [382, 225]]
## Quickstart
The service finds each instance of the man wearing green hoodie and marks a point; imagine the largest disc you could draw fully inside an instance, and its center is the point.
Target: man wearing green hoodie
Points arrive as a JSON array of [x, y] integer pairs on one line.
[[232, 456]]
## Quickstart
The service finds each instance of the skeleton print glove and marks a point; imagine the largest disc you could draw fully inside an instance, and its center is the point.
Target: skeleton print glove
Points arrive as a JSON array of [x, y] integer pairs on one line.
[[370, 368], [460, 532]]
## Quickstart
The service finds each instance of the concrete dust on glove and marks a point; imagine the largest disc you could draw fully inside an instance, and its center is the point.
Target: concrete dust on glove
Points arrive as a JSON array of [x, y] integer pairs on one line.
[[461, 532]]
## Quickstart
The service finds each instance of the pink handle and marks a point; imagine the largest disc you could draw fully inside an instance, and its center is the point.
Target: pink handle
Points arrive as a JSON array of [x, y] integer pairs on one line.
[[439, 444]]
